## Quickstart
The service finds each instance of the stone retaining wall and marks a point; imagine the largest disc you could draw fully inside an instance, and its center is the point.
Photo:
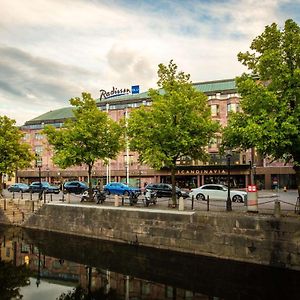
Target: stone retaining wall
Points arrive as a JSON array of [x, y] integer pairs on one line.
[[251, 238]]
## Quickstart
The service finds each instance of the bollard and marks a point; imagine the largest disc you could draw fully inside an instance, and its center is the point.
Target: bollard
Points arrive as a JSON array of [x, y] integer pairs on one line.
[[21, 195], [116, 200], [44, 197], [192, 202], [23, 216], [30, 195], [277, 208], [252, 203], [69, 198], [4, 207], [13, 195], [207, 203], [32, 206], [284, 189], [181, 203], [122, 200], [51, 197]]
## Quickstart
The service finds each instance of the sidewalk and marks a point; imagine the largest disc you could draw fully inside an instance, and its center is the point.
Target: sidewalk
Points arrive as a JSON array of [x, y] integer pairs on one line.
[[266, 194]]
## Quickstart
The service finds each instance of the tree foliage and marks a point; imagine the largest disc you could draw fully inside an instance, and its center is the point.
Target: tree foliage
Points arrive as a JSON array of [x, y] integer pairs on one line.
[[14, 153], [91, 135], [176, 125], [11, 279], [270, 117]]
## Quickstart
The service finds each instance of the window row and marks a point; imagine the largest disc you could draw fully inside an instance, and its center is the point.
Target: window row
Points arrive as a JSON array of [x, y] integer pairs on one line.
[[231, 107]]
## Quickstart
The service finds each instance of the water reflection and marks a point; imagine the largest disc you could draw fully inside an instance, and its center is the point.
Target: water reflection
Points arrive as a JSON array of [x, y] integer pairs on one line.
[[68, 267]]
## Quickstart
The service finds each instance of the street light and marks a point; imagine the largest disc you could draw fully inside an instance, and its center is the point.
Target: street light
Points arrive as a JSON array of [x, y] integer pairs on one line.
[[39, 163], [38, 277], [48, 174], [228, 201]]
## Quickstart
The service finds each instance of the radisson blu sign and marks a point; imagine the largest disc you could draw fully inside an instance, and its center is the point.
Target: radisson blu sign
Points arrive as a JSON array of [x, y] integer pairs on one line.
[[115, 92]]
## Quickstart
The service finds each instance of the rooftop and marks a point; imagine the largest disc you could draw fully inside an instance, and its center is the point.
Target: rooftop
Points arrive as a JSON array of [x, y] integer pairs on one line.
[[208, 87]]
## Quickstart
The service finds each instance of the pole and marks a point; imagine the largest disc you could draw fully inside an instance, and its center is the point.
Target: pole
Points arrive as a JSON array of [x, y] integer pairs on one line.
[[108, 163], [228, 201], [127, 148], [40, 180]]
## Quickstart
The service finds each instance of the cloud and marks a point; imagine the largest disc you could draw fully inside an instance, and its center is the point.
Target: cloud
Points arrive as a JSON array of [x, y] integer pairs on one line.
[[23, 74], [30, 83], [130, 64], [53, 50]]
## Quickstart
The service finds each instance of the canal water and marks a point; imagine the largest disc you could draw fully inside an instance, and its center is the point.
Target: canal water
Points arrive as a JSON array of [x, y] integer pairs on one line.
[[37, 265]]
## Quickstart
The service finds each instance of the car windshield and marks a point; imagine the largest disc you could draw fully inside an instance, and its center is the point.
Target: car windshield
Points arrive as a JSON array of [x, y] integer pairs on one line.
[[45, 184]]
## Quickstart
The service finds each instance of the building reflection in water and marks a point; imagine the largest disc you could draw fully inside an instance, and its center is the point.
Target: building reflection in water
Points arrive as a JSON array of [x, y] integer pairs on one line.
[[98, 269], [92, 281]]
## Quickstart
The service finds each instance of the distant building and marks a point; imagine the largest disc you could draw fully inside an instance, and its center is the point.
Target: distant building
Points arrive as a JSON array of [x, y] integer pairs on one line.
[[222, 98]]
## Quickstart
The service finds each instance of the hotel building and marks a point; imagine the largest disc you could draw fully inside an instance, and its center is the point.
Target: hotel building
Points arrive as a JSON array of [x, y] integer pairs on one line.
[[222, 98]]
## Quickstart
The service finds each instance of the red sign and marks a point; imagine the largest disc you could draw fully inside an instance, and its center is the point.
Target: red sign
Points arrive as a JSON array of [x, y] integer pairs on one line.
[[251, 188]]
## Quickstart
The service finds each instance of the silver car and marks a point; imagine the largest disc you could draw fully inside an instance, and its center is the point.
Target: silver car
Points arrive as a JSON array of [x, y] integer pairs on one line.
[[218, 192]]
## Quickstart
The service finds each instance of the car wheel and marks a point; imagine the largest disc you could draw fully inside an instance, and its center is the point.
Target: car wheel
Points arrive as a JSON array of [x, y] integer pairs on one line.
[[237, 198], [200, 197]]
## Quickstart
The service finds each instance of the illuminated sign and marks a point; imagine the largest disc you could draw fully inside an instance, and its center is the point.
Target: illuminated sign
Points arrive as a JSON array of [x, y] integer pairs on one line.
[[201, 172], [115, 92]]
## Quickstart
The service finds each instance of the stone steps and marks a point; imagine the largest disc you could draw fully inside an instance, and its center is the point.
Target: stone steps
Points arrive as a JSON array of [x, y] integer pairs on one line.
[[18, 210]]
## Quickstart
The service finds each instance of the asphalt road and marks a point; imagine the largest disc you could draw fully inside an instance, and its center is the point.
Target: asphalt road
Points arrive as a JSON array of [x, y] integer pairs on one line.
[[266, 201]]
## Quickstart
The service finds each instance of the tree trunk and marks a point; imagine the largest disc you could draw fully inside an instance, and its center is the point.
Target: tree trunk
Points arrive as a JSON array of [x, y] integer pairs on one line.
[[90, 167], [173, 186], [1, 185], [297, 170]]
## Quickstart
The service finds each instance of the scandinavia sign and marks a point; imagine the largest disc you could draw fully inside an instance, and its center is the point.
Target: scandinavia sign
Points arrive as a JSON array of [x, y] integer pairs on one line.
[[115, 92], [201, 172]]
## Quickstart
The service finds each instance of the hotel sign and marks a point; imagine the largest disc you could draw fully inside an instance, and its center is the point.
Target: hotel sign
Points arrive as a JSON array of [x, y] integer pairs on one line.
[[201, 172], [115, 92]]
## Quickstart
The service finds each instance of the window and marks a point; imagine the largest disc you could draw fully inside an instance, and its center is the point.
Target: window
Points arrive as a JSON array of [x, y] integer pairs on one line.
[[234, 107], [214, 110], [38, 149], [214, 142], [26, 136], [38, 136]]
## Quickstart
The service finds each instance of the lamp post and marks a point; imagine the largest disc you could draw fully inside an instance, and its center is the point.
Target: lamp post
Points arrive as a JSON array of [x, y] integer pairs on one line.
[[39, 163], [48, 174], [38, 277], [254, 174], [228, 201]]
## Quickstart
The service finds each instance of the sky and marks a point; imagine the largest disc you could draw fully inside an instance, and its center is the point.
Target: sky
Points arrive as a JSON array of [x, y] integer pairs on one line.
[[53, 50]]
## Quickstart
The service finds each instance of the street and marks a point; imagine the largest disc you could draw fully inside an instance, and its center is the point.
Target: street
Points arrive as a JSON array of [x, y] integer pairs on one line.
[[266, 200]]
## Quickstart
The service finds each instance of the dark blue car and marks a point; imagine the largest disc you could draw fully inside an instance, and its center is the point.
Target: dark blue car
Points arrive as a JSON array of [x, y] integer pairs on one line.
[[19, 187], [46, 187], [119, 188], [76, 187]]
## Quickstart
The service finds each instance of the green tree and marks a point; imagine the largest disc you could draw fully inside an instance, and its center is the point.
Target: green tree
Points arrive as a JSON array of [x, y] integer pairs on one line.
[[178, 124], [89, 136], [11, 279], [270, 117], [14, 154]]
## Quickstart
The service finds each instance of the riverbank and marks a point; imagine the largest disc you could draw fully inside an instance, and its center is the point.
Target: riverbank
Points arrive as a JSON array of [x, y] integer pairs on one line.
[[254, 238]]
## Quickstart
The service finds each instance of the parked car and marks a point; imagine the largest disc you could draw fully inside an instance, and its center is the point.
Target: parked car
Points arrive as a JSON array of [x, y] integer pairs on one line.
[[165, 190], [19, 187], [44, 186], [218, 192], [76, 187], [120, 188]]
